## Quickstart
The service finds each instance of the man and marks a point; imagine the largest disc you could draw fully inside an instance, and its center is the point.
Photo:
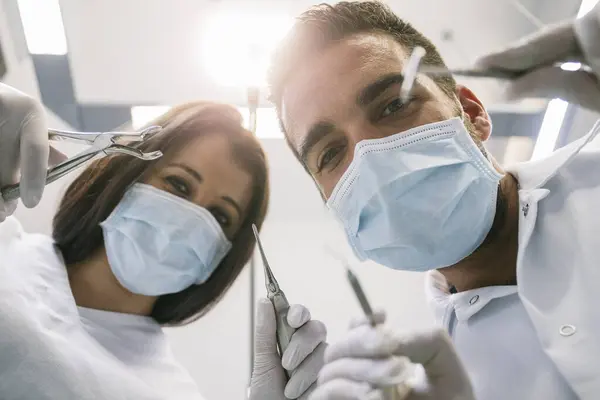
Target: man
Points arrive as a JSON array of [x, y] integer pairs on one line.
[[511, 255]]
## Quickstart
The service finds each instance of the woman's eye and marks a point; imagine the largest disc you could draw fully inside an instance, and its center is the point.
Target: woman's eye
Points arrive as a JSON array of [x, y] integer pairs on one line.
[[328, 156], [392, 108], [221, 217], [179, 185]]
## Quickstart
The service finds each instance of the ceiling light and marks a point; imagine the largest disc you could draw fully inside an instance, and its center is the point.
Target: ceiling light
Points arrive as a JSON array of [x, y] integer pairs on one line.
[[142, 115], [43, 26], [237, 46]]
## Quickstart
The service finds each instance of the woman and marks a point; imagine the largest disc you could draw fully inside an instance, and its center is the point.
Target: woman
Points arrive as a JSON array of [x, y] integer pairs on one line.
[[136, 245]]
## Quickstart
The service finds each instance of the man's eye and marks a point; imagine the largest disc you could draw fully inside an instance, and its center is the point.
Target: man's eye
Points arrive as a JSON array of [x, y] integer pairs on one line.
[[328, 157], [178, 185], [393, 107]]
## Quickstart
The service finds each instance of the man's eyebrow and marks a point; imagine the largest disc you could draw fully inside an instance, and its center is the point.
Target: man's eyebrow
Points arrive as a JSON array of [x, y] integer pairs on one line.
[[315, 134], [376, 88]]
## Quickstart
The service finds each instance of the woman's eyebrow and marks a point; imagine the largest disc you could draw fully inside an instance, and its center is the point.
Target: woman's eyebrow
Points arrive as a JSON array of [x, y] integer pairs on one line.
[[195, 174], [234, 204]]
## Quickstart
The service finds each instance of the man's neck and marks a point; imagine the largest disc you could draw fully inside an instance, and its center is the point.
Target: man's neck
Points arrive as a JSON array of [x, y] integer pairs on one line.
[[495, 261]]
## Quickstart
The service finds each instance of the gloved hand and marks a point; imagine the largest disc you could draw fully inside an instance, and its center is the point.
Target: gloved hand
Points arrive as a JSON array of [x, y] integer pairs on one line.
[[303, 357], [577, 40], [23, 147], [370, 358]]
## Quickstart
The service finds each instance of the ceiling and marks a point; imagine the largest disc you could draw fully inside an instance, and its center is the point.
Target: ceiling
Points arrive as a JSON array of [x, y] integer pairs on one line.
[[151, 51], [145, 52]]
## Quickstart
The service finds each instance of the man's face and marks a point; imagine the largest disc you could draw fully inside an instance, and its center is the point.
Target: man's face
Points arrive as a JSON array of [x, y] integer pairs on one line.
[[349, 93]]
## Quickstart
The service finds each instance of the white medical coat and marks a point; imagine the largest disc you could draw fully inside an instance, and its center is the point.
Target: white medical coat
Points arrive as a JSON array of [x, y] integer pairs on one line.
[[558, 274], [52, 349]]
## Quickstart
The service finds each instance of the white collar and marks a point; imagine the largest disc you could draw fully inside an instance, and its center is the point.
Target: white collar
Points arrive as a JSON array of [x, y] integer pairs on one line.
[[535, 174], [530, 175], [464, 304]]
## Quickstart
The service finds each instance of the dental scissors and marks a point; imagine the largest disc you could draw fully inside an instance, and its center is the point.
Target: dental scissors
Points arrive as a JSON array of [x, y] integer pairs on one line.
[[100, 142], [279, 301]]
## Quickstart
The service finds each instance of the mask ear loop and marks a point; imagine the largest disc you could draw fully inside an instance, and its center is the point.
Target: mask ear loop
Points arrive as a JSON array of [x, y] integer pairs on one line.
[[409, 73]]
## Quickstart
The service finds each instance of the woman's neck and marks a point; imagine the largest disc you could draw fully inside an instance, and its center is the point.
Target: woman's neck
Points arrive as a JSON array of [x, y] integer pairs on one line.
[[94, 286]]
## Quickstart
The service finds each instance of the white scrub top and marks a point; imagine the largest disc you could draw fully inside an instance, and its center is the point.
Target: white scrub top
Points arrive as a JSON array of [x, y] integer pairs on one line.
[[52, 349], [541, 338]]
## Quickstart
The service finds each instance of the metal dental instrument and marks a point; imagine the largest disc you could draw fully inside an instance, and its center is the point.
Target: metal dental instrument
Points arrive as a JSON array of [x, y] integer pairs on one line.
[[360, 295], [397, 392], [413, 67], [101, 142], [278, 299], [410, 72], [432, 70]]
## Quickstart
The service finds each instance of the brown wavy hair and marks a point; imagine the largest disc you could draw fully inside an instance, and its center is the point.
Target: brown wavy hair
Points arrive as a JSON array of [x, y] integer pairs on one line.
[[93, 195]]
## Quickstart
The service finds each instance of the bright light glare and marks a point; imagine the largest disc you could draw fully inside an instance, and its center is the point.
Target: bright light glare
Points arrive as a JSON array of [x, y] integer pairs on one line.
[[557, 108], [553, 119], [267, 124], [570, 66], [43, 26], [237, 47], [585, 7], [141, 115]]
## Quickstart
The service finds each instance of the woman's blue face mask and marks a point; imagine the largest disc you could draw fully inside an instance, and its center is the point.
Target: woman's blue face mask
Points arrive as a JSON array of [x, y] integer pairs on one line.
[[158, 243]]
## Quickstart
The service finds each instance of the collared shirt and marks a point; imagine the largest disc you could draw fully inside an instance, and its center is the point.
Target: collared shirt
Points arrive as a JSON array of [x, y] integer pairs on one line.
[[540, 339], [52, 349], [498, 345]]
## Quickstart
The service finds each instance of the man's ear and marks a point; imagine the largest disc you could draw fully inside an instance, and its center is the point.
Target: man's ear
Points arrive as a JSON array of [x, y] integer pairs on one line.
[[475, 111]]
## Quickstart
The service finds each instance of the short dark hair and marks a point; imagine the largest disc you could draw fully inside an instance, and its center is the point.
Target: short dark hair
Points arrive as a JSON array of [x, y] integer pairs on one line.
[[324, 24], [93, 195]]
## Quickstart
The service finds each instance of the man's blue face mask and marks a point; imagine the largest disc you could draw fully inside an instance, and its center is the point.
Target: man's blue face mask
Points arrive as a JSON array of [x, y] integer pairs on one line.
[[417, 200]]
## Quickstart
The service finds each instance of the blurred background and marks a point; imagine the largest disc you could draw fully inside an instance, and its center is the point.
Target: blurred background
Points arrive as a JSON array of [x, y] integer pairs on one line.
[[108, 64]]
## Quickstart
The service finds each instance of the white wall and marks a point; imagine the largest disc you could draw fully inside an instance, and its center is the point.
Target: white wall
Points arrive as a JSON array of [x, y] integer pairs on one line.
[[583, 121]]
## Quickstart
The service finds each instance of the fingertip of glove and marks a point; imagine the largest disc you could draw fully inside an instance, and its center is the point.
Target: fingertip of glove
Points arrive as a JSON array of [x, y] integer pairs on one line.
[[262, 301], [298, 315], [288, 361], [264, 312], [31, 200]]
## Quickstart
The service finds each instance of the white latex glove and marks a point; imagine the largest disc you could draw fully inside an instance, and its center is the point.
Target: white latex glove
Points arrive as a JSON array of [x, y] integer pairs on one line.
[[577, 40], [24, 147], [303, 357], [370, 358]]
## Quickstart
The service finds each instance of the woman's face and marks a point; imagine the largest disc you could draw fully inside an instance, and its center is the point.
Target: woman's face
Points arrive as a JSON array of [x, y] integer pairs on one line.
[[206, 173]]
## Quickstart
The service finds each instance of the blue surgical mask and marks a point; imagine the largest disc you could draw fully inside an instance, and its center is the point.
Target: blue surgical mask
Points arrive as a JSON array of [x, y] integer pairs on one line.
[[417, 200], [158, 243]]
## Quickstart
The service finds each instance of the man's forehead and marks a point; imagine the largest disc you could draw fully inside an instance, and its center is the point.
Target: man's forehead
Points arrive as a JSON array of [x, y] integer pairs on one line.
[[329, 81]]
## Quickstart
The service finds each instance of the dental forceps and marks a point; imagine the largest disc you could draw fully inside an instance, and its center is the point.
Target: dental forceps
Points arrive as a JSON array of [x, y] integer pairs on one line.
[[101, 142], [279, 301]]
